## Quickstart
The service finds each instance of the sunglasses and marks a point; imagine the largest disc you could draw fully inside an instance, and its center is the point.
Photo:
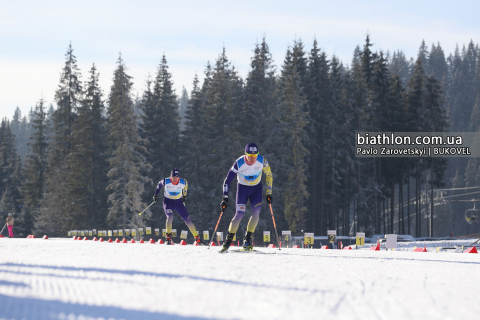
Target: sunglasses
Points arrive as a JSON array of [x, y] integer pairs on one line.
[[251, 155]]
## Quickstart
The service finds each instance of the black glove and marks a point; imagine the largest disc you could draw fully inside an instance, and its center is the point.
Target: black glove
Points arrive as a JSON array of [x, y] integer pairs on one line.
[[184, 198], [223, 204], [269, 198], [155, 198]]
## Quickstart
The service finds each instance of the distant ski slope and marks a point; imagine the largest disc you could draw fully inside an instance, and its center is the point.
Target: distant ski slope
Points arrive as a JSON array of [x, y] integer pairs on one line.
[[66, 279]]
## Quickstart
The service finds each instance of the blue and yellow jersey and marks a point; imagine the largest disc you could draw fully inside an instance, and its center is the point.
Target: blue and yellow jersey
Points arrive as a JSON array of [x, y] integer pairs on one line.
[[173, 191], [249, 175]]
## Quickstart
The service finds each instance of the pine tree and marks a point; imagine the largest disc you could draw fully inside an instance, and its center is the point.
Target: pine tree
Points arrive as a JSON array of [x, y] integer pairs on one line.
[[415, 93], [416, 123], [370, 95], [378, 95], [87, 177], [472, 171], [35, 167], [462, 95], [260, 118], [10, 169], [67, 98], [194, 157], [424, 56], [319, 99], [334, 149], [294, 118], [223, 107], [58, 197], [357, 54], [161, 124], [425, 113], [438, 64], [378, 117], [366, 61], [260, 99], [400, 65], [19, 127], [161, 130], [346, 129], [127, 160], [182, 107], [25, 134], [362, 167], [433, 105], [68, 95], [460, 103]]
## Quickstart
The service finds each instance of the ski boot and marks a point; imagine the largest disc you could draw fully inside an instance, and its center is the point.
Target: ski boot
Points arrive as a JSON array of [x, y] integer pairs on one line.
[[247, 242], [227, 243], [168, 239], [200, 241]]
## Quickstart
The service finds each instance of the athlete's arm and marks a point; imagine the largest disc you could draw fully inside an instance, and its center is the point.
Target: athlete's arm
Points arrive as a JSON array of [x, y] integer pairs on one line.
[[230, 175], [268, 176], [159, 186], [184, 191]]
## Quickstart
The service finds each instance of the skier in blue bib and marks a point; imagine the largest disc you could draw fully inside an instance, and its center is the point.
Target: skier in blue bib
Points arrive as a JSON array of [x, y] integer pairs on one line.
[[175, 195], [248, 169]]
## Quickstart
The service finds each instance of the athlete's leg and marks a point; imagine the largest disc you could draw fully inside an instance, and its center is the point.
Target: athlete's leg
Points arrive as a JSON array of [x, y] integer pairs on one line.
[[242, 196], [256, 202], [10, 231], [182, 211], [168, 208]]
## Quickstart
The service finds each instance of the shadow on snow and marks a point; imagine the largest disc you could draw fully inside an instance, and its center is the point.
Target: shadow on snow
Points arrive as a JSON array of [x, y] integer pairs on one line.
[[38, 309]]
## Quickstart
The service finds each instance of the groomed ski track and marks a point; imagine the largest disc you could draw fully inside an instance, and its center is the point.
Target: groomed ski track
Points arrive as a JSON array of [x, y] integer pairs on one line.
[[67, 279]]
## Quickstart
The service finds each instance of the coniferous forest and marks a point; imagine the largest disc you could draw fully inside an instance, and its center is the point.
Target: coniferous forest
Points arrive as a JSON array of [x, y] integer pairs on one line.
[[88, 160]]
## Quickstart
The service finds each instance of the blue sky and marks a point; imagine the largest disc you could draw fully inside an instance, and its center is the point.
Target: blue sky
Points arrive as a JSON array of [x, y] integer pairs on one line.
[[34, 36]]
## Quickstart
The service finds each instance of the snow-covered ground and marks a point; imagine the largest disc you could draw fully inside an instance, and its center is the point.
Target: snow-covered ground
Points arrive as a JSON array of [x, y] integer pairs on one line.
[[67, 279]]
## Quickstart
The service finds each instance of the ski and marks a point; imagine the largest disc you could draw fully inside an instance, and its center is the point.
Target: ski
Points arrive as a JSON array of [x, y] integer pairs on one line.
[[250, 251]]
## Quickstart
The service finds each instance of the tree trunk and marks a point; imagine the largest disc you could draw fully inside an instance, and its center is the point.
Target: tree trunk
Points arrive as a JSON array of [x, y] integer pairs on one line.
[[408, 202], [419, 204], [431, 200], [387, 222], [384, 215], [314, 188], [354, 218], [401, 213], [392, 207], [333, 223]]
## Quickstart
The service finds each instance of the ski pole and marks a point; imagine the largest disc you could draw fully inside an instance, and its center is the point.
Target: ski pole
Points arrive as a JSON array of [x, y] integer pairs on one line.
[[275, 226], [3, 228], [213, 236], [146, 208]]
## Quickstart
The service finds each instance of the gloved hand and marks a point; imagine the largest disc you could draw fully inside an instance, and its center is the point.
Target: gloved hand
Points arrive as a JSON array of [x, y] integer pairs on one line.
[[155, 198], [184, 198], [269, 198], [223, 204]]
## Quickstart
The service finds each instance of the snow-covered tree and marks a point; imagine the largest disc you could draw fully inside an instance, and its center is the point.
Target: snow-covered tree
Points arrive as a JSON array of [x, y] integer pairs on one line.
[[295, 121], [127, 160], [87, 176]]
